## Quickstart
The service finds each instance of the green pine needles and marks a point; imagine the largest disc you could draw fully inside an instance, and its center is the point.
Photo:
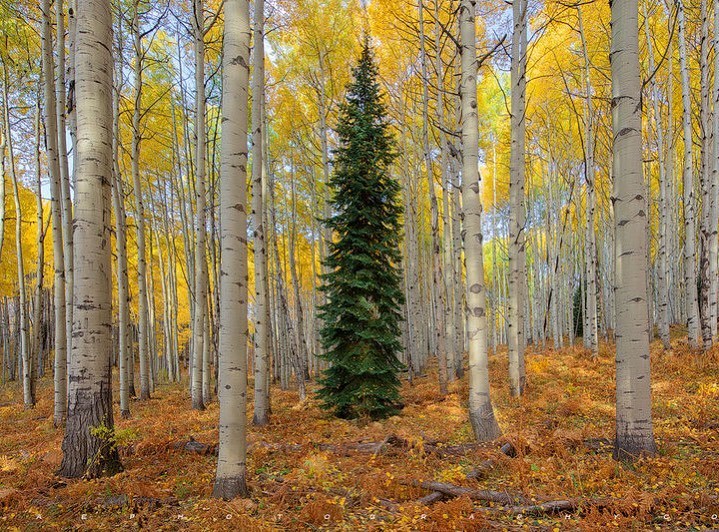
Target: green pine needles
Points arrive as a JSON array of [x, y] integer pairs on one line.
[[362, 314]]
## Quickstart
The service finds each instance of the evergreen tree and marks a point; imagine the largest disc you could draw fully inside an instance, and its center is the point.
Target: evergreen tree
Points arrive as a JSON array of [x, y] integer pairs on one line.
[[361, 318]]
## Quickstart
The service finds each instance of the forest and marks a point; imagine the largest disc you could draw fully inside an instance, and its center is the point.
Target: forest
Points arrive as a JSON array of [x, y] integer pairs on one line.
[[359, 264]]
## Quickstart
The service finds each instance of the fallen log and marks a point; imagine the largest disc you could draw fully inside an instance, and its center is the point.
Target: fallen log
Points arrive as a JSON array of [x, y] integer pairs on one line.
[[550, 507], [430, 499], [451, 490], [482, 470]]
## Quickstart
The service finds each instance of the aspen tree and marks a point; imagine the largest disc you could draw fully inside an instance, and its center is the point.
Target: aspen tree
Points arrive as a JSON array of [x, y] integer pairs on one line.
[[88, 446], [517, 267], [481, 413], [200, 281], [231, 463], [262, 354], [662, 268], [142, 296], [634, 433], [690, 272], [51, 138]]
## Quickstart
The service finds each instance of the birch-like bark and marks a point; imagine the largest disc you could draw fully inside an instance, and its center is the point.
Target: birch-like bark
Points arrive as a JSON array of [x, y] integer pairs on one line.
[[705, 221], [88, 448], [118, 204], [481, 414], [200, 280], [662, 266], [51, 139], [142, 302], [591, 337], [690, 272], [262, 356], [437, 284], [231, 463], [517, 271], [66, 200], [28, 386], [36, 348], [714, 168], [634, 433]]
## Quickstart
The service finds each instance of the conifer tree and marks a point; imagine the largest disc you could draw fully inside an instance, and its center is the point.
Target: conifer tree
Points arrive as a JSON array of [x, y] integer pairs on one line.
[[361, 318]]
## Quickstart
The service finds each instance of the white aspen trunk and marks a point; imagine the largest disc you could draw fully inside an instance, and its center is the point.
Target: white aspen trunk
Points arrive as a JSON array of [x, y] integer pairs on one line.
[[690, 274], [634, 433], [200, 281], [517, 273], [302, 353], [714, 167], [232, 389], [51, 138], [118, 204], [142, 302], [437, 296], [66, 199], [446, 287], [705, 221], [481, 414], [36, 365], [262, 355], [28, 386], [662, 267], [87, 445], [591, 335]]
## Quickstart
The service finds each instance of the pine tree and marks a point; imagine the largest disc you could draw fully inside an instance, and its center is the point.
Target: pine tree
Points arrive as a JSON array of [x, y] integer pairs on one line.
[[361, 318]]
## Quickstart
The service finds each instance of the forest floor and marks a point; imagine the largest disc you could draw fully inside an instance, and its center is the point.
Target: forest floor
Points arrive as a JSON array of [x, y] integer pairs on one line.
[[309, 471]]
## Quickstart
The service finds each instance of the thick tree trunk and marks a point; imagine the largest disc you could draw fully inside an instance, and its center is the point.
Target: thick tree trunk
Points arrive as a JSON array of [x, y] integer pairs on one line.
[[634, 434], [231, 463], [481, 414], [88, 446]]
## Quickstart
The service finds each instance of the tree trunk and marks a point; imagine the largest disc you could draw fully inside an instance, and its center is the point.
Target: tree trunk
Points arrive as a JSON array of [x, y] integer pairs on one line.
[[690, 273], [51, 139], [231, 463], [142, 296], [262, 356], [200, 256], [517, 272], [481, 414], [88, 445], [634, 434]]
